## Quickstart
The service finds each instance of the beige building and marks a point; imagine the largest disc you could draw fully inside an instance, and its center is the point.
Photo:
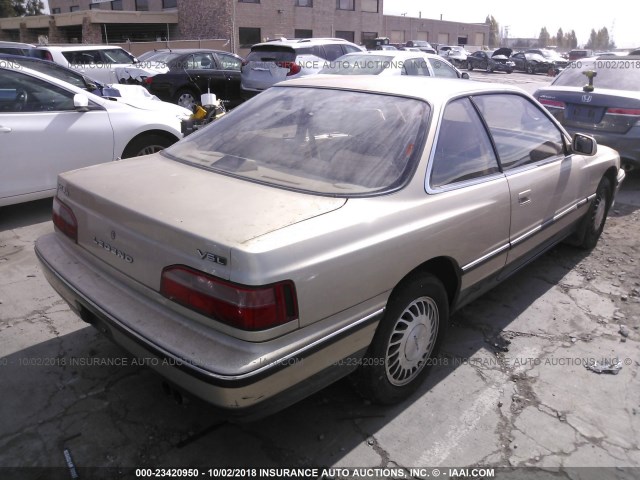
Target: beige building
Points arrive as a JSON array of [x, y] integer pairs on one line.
[[402, 29], [241, 22]]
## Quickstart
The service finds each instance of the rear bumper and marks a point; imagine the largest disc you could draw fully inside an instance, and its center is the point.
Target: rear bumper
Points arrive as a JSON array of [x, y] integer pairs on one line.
[[129, 319], [619, 179]]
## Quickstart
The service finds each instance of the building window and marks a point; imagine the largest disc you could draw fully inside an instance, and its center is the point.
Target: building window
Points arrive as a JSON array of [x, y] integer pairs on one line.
[[345, 5], [55, 10], [301, 33], [74, 8], [347, 35], [142, 5], [94, 6], [304, 3], [169, 3], [116, 5], [369, 6], [248, 1], [248, 36], [368, 39]]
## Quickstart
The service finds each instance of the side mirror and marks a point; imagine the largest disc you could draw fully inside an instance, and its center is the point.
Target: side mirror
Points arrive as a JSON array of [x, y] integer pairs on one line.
[[584, 144], [81, 102], [465, 75]]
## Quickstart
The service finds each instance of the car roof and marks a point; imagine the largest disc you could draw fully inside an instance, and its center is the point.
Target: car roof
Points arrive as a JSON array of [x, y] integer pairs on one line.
[[408, 86], [15, 45], [302, 42], [71, 48], [395, 54], [188, 50]]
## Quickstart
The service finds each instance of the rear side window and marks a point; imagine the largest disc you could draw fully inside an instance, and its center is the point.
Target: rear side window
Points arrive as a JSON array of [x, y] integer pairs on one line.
[[350, 49], [441, 69], [415, 66], [522, 133], [463, 150], [332, 51]]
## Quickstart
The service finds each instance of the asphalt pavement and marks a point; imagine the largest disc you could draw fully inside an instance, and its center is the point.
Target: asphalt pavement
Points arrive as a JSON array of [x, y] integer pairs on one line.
[[511, 388]]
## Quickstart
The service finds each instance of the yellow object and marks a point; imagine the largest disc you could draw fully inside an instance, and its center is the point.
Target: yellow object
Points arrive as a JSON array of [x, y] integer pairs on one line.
[[200, 113]]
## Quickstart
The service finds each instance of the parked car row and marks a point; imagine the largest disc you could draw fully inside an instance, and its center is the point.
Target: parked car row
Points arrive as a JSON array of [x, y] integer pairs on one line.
[[51, 122], [491, 60]]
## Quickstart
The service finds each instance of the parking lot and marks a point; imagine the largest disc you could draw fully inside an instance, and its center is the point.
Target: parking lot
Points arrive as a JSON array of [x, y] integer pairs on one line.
[[511, 388]]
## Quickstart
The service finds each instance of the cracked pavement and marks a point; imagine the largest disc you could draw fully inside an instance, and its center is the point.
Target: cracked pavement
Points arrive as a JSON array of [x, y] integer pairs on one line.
[[510, 387]]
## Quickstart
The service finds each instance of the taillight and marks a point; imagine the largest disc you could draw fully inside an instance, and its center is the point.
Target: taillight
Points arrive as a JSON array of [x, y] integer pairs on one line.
[[551, 103], [624, 111], [64, 219], [241, 306], [148, 80], [293, 67]]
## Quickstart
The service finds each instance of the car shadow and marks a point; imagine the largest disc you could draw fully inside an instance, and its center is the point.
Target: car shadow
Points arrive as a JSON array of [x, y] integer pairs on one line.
[[80, 392], [23, 214]]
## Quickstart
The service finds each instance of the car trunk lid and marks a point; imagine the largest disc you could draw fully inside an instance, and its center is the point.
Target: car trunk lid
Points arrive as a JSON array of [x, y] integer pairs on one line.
[[601, 110], [143, 214]]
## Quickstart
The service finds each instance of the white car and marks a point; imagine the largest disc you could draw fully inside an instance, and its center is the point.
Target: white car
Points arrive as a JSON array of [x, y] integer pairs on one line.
[[104, 63], [48, 126], [392, 63], [271, 62]]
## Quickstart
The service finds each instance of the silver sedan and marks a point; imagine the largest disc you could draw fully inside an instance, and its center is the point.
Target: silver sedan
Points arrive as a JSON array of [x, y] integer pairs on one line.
[[328, 227]]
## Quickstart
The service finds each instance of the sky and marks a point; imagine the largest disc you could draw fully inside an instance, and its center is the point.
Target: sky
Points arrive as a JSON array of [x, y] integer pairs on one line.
[[620, 17], [525, 19]]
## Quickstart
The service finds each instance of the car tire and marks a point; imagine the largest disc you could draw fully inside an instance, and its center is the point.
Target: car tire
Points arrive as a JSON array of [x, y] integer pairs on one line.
[[530, 70], [146, 145], [186, 98], [406, 341], [470, 66], [594, 220]]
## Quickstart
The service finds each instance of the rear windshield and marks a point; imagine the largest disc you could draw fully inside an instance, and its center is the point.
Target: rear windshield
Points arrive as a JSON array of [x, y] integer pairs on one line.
[[613, 74], [323, 141], [271, 53]]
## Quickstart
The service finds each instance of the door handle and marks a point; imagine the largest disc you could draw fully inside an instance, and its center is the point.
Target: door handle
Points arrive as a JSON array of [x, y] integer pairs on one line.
[[524, 197], [5, 129]]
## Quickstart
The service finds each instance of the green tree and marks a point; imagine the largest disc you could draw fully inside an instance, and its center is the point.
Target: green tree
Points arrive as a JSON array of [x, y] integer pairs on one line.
[[494, 31], [543, 38], [560, 38], [33, 7], [572, 40], [21, 8], [6, 9], [600, 40], [593, 39]]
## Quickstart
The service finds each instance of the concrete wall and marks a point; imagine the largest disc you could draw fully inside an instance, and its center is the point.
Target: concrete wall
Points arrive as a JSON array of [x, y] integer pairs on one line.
[[434, 31]]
